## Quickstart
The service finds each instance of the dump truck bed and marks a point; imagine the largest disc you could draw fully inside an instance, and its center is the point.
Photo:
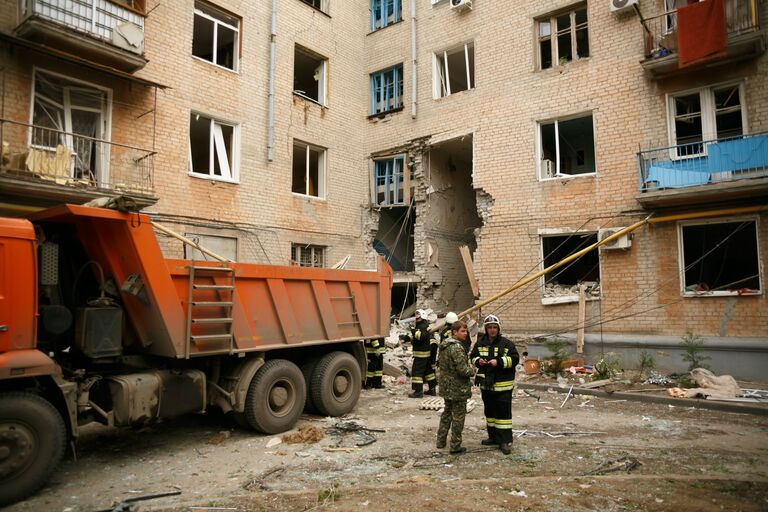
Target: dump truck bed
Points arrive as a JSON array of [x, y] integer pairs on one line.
[[269, 306]]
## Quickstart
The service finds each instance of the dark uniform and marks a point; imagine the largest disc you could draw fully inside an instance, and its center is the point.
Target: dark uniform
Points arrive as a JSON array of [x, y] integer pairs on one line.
[[455, 387], [496, 383], [422, 370], [375, 350]]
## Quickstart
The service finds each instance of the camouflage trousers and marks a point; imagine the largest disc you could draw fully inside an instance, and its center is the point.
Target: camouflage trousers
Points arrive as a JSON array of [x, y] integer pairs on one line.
[[452, 419]]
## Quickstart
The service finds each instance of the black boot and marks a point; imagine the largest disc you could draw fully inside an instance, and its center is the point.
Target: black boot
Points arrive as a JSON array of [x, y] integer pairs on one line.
[[505, 449], [432, 392], [488, 442]]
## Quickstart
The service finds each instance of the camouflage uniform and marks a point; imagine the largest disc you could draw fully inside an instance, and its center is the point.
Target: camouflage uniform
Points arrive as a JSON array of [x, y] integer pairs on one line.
[[455, 388]]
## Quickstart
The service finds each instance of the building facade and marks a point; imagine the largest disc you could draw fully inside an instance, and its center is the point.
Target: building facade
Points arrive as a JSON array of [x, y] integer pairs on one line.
[[312, 130]]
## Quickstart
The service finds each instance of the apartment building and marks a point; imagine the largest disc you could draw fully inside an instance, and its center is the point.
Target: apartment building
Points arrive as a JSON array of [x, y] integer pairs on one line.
[[310, 130]]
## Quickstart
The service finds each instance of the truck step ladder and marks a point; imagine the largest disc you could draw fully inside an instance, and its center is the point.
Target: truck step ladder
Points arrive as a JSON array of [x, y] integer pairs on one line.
[[210, 287]]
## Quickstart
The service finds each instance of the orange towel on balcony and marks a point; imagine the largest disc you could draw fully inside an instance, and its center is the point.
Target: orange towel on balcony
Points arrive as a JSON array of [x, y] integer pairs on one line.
[[701, 32]]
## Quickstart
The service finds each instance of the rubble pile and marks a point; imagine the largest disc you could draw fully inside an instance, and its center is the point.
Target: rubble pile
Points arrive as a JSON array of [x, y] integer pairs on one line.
[[559, 290]]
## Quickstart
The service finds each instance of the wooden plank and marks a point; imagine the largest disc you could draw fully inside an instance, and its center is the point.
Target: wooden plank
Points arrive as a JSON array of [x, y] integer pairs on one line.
[[580, 321], [469, 267]]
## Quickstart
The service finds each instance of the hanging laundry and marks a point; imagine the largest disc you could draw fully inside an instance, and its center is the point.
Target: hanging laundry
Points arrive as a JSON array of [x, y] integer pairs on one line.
[[701, 32]]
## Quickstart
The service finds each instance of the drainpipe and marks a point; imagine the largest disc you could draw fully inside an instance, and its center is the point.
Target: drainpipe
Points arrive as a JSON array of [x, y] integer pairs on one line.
[[413, 59], [272, 49]]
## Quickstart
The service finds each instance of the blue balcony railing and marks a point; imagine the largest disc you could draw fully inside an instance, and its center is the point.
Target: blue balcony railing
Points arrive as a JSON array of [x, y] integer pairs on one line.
[[704, 162]]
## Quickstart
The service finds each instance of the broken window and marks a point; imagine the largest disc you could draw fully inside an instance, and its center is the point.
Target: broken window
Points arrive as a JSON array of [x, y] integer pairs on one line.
[[566, 147], [387, 90], [212, 148], [138, 5], [306, 255], [391, 185], [71, 114], [394, 238], [705, 115], [454, 70], [720, 258], [320, 5], [215, 36], [562, 284], [385, 12], [224, 246], [563, 38], [309, 75], [308, 170]]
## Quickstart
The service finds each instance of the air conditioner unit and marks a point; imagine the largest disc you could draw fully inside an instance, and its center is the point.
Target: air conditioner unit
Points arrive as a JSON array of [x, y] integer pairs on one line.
[[622, 242], [461, 4], [548, 169], [622, 5]]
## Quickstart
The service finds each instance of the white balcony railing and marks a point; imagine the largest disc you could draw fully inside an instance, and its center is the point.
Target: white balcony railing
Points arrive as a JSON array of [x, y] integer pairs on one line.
[[101, 19]]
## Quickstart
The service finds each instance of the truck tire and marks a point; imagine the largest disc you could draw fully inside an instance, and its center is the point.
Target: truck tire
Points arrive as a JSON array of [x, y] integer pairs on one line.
[[276, 397], [32, 442], [308, 369], [336, 384]]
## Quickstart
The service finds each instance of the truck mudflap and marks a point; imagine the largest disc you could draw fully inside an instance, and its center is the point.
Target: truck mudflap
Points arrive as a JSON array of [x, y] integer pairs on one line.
[[26, 363], [143, 397]]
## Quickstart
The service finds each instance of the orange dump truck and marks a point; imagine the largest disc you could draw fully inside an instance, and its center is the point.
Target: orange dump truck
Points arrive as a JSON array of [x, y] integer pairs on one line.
[[95, 325]]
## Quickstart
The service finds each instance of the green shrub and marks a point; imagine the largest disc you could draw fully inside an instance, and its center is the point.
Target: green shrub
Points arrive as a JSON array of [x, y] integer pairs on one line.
[[693, 345], [559, 354], [607, 367], [647, 363]]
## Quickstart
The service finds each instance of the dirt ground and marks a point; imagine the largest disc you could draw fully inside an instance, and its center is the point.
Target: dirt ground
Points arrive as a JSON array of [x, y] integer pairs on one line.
[[689, 459]]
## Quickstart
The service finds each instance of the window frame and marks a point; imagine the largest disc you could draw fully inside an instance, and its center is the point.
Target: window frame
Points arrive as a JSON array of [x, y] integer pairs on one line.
[[397, 16], [398, 88], [708, 116], [216, 23], [723, 220], [313, 248], [551, 18], [102, 171], [322, 166], [543, 233], [322, 83], [438, 87], [323, 5], [195, 237], [234, 164], [406, 172], [539, 147]]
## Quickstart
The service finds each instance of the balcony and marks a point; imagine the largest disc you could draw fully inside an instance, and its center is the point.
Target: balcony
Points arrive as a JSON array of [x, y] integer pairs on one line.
[[703, 172], [106, 32], [42, 167], [745, 39]]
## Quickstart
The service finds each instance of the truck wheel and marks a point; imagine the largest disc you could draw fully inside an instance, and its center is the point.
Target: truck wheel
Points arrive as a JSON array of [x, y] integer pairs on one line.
[[32, 442], [308, 369], [276, 397], [336, 384]]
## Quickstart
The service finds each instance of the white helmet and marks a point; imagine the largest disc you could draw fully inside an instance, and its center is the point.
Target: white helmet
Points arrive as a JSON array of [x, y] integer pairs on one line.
[[451, 317], [422, 313], [492, 319]]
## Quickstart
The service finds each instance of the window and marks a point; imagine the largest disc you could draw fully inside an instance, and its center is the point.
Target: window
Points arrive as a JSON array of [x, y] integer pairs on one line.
[[563, 38], [212, 148], [562, 284], [308, 170], [215, 36], [720, 257], [309, 75], [387, 90], [224, 246], [320, 5], [308, 255], [454, 70], [705, 115], [384, 12], [391, 184], [80, 110], [566, 147]]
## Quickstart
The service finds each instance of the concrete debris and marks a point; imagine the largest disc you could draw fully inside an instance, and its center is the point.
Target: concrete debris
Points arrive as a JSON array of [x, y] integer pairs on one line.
[[658, 379], [520, 494], [559, 290], [307, 434], [437, 404]]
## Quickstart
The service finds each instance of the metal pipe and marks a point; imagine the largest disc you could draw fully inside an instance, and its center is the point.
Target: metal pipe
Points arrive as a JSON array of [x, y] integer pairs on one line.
[[629, 229], [272, 57], [413, 59]]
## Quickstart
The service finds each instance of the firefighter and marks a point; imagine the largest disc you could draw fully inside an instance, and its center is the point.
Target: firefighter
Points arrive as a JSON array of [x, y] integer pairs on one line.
[[450, 319], [422, 370], [375, 350], [496, 358]]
